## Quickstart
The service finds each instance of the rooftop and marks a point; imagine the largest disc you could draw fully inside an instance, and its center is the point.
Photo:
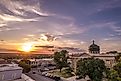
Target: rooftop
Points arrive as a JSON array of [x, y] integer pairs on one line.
[[8, 67], [2, 61]]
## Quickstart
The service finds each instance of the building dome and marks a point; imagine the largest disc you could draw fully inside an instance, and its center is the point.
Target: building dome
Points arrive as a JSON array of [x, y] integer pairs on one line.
[[94, 49]]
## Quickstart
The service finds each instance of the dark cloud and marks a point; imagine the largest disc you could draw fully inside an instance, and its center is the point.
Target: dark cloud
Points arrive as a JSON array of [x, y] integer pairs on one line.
[[44, 46], [71, 49]]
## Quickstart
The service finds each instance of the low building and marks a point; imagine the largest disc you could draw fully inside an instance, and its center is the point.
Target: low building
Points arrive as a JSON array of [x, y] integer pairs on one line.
[[35, 62], [9, 72], [109, 59], [43, 62]]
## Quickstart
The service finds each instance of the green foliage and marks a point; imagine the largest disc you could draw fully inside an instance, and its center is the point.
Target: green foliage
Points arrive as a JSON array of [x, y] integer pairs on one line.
[[113, 52], [94, 68], [43, 56], [26, 61], [117, 67], [66, 72], [60, 58], [113, 75], [118, 57], [26, 67]]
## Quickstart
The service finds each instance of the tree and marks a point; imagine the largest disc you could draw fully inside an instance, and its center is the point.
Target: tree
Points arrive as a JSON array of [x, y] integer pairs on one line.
[[94, 68], [26, 61], [113, 75], [117, 58], [60, 58], [117, 67], [26, 67], [113, 52]]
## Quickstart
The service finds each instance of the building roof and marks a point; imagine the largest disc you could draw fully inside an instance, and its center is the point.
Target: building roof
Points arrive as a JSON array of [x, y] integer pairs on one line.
[[104, 55], [87, 55], [9, 67], [4, 62], [93, 46]]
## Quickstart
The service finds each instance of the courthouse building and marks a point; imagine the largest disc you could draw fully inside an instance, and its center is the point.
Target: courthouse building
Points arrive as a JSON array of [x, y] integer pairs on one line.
[[94, 51]]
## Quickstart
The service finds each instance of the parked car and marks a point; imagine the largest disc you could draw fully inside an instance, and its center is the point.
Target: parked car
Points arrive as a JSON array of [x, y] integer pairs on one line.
[[56, 78], [46, 69], [34, 72], [78, 77], [44, 73]]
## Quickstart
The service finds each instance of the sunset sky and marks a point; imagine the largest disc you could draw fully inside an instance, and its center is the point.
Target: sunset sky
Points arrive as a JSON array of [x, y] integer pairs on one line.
[[59, 23]]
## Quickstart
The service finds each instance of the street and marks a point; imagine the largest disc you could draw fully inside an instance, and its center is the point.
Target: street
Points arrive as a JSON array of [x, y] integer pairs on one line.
[[38, 77]]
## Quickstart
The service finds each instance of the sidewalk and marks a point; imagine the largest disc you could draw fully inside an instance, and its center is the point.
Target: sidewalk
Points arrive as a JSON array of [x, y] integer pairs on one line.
[[26, 78]]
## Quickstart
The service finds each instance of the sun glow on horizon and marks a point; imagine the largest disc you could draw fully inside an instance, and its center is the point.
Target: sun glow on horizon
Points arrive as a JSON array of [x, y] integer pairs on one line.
[[27, 47]]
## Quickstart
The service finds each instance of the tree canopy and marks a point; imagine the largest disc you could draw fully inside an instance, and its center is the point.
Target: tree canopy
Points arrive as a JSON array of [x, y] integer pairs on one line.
[[94, 68], [114, 74], [117, 58], [25, 65], [60, 58], [113, 52]]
